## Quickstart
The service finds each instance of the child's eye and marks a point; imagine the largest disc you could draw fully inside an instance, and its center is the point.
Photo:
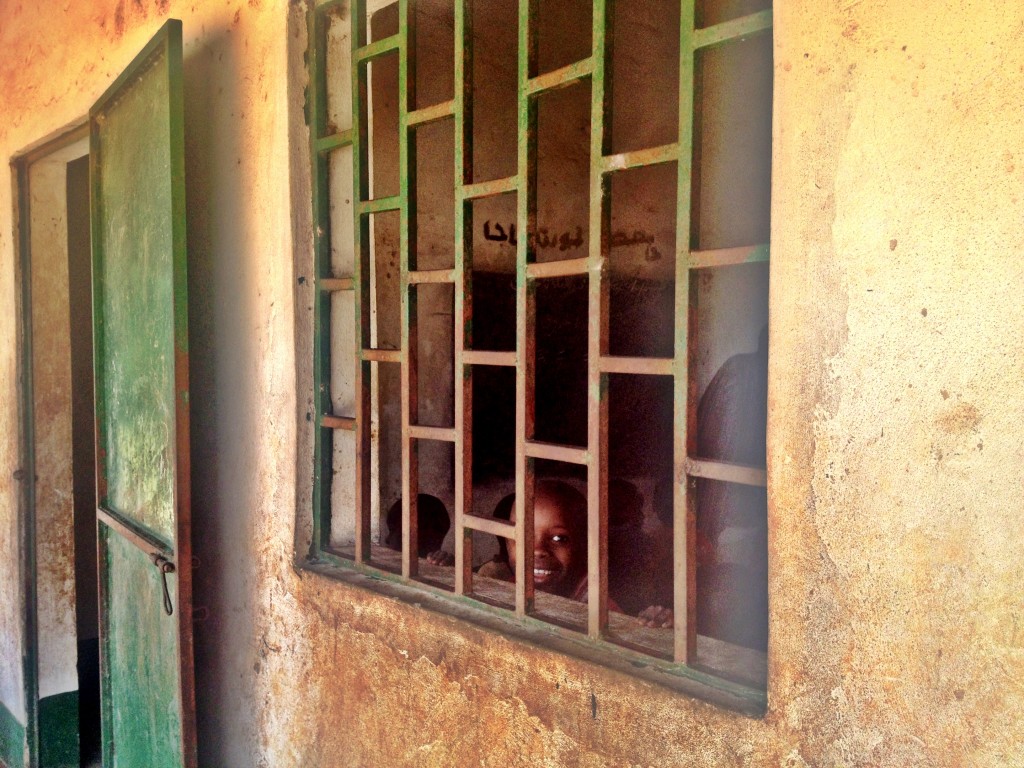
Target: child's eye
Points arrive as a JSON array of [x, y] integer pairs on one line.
[[560, 538]]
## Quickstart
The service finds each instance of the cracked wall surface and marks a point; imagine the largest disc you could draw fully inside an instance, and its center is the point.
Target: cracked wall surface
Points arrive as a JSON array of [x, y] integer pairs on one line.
[[897, 617]]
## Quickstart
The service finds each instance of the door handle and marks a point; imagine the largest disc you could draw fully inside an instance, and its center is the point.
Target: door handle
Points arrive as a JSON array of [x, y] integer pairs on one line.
[[165, 566]]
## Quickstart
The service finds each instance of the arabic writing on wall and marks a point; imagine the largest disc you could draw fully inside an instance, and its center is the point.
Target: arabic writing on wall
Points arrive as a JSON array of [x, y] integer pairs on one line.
[[567, 240]]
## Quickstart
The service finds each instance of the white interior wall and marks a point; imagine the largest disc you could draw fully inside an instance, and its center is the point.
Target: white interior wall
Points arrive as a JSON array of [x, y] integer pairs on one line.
[[51, 339]]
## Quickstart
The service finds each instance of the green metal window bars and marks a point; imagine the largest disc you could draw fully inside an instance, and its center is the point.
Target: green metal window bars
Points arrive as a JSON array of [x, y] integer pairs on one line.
[[603, 165]]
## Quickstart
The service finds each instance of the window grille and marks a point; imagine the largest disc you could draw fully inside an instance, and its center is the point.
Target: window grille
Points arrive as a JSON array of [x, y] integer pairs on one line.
[[341, 134]]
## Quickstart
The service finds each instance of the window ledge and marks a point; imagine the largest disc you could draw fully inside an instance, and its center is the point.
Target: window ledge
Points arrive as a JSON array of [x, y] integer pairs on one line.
[[703, 685]]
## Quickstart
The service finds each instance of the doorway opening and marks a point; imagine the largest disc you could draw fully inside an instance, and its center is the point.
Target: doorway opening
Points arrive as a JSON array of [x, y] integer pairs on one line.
[[63, 664]]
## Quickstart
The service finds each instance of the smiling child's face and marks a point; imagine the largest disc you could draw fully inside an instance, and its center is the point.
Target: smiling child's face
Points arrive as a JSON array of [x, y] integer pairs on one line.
[[560, 549]]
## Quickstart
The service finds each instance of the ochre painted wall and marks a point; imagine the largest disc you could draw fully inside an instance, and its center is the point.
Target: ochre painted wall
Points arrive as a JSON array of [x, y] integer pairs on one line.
[[895, 384], [897, 618]]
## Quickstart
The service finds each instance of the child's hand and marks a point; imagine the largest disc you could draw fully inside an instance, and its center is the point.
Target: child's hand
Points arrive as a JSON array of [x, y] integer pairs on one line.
[[655, 616], [440, 557]]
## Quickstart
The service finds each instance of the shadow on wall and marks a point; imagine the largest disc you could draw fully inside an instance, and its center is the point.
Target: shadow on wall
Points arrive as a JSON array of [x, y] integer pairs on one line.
[[224, 351]]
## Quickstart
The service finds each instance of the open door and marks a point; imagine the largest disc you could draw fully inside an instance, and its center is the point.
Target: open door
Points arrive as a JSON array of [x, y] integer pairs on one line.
[[142, 424]]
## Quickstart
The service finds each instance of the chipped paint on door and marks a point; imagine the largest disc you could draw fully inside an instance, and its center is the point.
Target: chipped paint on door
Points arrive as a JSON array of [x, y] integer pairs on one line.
[[140, 326]]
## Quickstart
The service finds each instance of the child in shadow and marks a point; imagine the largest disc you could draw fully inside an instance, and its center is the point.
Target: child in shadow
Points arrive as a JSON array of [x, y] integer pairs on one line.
[[560, 541], [498, 568], [629, 548], [433, 524], [732, 567]]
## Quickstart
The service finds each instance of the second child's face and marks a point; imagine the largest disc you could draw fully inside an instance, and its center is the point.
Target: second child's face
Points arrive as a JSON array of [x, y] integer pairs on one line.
[[559, 549]]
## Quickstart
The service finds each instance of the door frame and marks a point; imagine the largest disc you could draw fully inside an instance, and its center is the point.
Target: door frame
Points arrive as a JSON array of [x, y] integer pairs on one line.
[[25, 475]]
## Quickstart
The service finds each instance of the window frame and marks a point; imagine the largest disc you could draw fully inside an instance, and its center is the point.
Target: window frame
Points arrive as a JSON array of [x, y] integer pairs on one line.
[[681, 672]]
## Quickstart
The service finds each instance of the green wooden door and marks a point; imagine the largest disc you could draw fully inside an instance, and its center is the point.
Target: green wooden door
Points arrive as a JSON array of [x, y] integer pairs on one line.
[[142, 427]]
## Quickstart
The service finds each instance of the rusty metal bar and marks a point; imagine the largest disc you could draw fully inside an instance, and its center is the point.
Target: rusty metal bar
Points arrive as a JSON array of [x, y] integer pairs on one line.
[[727, 472], [423, 276], [560, 78], [361, 278], [643, 366], [564, 268], [381, 355], [338, 422], [727, 257], [332, 284], [409, 295], [684, 531], [322, 343], [379, 205], [378, 48], [462, 108], [441, 434], [569, 454], [490, 525], [431, 114], [734, 29], [526, 208], [639, 158], [486, 357], [490, 188], [328, 144], [135, 534], [597, 322]]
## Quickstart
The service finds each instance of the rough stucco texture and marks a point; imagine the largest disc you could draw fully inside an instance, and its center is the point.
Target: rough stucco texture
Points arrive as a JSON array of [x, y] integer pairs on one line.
[[897, 623], [897, 361], [52, 430]]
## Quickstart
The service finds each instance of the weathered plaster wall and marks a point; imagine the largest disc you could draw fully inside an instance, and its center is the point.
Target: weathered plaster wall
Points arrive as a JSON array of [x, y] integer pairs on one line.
[[51, 334], [896, 382], [58, 61], [240, 118], [896, 611]]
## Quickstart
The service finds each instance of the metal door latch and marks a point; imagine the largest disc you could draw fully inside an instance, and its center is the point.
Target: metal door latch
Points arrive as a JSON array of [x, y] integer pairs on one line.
[[165, 566]]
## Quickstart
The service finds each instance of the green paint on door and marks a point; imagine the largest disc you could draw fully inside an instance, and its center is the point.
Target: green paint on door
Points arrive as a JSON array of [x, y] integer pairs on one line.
[[58, 731], [142, 658], [12, 739], [141, 374], [133, 283]]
